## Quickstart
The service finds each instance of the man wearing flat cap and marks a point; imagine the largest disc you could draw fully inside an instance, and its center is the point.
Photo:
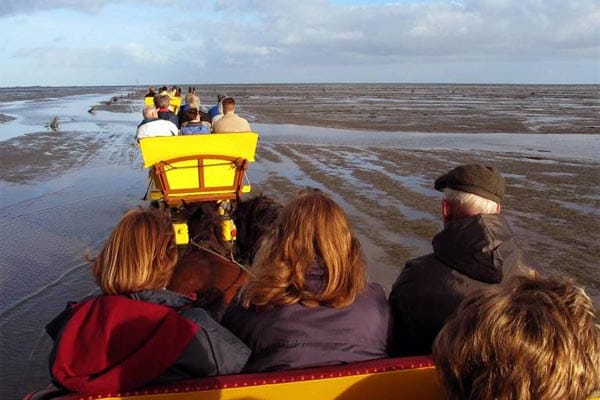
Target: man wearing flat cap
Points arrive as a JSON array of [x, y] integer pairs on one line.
[[475, 249]]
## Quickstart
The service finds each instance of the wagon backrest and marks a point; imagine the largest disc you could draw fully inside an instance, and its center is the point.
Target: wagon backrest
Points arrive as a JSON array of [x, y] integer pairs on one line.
[[174, 103], [195, 168]]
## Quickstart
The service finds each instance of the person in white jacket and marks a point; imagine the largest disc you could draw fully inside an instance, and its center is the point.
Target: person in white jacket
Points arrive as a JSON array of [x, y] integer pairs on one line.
[[153, 126]]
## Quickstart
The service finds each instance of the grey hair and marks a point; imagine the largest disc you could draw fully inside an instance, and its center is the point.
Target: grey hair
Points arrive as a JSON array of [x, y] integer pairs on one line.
[[470, 203]]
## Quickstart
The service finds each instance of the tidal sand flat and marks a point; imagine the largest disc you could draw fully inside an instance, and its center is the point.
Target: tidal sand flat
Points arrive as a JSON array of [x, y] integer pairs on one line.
[[422, 108], [62, 192]]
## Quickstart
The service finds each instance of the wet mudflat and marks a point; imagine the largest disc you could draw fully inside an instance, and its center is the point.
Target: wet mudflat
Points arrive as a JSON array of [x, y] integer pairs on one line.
[[552, 204], [423, 108], [62, 192]]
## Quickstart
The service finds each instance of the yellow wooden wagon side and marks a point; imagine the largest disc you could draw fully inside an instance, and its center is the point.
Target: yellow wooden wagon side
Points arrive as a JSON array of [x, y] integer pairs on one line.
[[410, 378]]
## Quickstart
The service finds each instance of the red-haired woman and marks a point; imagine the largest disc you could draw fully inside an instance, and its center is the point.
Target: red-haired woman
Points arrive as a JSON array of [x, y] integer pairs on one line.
[[308, 302]]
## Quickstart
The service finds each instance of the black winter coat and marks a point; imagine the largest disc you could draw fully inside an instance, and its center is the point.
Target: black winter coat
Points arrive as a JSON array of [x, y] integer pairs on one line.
[[468, 254]]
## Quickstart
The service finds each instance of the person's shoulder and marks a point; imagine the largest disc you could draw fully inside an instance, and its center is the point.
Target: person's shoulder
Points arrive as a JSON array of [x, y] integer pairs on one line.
[[375, 289], [168, 124], [374, 294], [198, 315], [419, 269], [424, 261], [235, 310]]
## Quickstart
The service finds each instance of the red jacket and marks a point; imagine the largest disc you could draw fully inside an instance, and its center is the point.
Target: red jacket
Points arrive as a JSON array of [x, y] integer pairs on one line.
[[112, 344]]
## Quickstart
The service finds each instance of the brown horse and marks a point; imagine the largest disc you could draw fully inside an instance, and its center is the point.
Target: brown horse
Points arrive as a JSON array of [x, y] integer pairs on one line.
[[253, 218], [206, 269]]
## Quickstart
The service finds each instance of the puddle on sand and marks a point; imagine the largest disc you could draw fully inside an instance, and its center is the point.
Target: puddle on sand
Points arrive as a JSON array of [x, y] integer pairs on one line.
[[575, 146], [72, 113], [582, 208]]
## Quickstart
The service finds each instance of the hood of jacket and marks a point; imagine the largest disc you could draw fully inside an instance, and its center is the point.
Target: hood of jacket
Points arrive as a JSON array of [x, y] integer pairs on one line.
[[116, 343], [315, 276], [476, 246]]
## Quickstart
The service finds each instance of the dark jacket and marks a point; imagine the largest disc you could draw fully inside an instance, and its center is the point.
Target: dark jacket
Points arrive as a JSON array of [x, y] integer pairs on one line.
[[111, 344], [468, 254], [169, 116], [214, 111], [295, 336], [204, 116]]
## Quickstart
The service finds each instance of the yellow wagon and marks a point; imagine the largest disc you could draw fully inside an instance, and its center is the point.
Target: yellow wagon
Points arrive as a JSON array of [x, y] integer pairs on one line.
[[196, 168]]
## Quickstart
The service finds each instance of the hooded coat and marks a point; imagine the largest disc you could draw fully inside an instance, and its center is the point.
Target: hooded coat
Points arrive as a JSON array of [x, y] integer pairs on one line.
[[468, 254], [296, 336], [112, 344]]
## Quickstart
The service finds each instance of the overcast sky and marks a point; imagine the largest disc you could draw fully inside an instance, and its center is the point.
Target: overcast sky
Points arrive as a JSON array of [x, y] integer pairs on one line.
[[100, 42]]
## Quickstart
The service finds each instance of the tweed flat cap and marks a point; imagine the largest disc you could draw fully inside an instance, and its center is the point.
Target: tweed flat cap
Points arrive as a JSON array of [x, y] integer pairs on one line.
[[477, 179]]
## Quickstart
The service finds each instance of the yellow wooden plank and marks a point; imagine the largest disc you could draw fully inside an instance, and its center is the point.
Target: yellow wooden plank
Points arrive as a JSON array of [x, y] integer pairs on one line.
[[183, 175]]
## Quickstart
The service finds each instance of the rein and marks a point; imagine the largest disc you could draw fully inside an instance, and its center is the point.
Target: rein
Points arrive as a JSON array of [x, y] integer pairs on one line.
[[199, 246]]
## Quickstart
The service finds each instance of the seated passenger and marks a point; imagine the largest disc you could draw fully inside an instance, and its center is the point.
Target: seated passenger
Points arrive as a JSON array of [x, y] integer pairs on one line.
[[475, 249], [137, 332], [192, 101], [308, 302], [230, 122], [151, 92], [192, 124], [163, 90], [531, 339], [162, 102], [154, 126], [216, 111]]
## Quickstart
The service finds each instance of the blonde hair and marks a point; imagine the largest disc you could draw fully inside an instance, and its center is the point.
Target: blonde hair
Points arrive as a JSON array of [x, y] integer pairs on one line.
[[192, 100], [309, 228], [534, 338], [140, 253]]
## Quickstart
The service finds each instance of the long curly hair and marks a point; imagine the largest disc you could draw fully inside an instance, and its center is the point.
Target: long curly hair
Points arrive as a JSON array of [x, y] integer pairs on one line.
[[311, 227], [531, 338]]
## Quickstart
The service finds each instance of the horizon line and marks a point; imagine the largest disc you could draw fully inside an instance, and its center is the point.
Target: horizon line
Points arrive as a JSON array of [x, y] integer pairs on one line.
[[308, 83]]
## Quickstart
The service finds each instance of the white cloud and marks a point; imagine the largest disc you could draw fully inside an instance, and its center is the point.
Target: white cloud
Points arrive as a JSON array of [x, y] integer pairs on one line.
[[142, 55], [310, 40], [316, 32], [130, 55], [12, 7]]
